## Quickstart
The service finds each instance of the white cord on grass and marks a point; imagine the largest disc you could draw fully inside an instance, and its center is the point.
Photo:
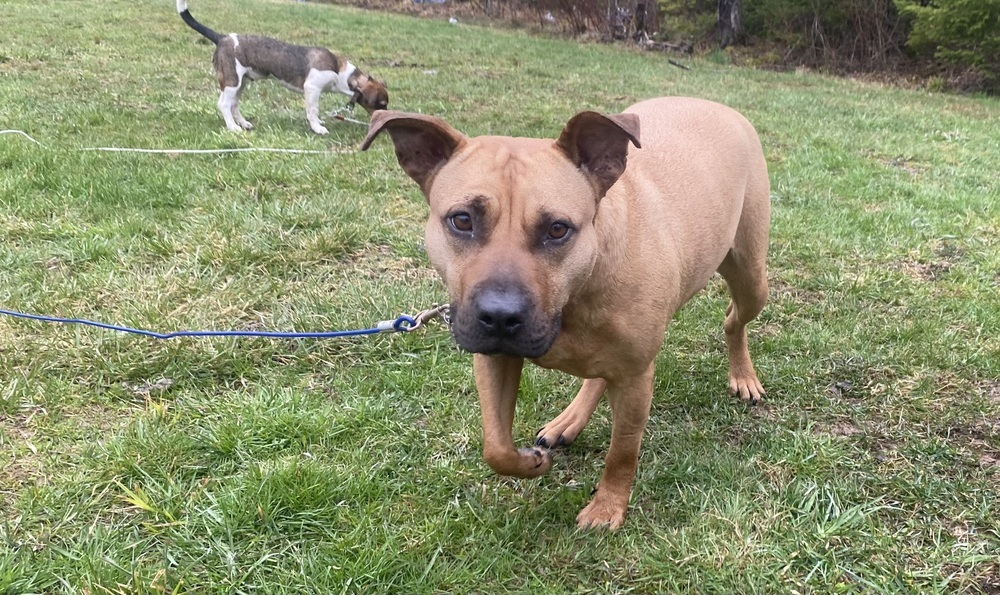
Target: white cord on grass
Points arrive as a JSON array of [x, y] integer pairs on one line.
[[24, 134], [190, 151], [201, 151]]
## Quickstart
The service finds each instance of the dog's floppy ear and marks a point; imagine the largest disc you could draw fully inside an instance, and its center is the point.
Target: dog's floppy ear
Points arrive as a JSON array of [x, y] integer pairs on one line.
[[598, 145], [423, 143]]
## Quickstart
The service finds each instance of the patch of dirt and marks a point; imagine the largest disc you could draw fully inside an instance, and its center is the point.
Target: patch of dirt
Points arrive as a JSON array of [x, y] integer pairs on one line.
[[850, 377], [884, 450], [26, 455], [900, 163], [987, 455], [761, 410], [839, 429], [144, 389], [23, 466], [991, 390], [379, 262], [946, 255], [980, 441], [840, 389], [991, 583], [784, 291], [950, 387], [925, 271]]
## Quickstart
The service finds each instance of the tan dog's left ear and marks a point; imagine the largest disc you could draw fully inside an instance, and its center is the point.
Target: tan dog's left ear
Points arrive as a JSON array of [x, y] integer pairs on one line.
[[598, 145], [423, 143]]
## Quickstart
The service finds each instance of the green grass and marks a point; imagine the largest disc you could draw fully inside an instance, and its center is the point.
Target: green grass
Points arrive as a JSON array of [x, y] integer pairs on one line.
[[129, 465]]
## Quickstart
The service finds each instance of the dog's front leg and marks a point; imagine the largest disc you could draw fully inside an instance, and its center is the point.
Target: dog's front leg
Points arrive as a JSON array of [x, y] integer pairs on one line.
[[497, 380], [312, 93], [630, 400]]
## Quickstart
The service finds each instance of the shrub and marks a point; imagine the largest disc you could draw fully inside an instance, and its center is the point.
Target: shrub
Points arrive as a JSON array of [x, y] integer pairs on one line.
[[957, 32], [853, 33]]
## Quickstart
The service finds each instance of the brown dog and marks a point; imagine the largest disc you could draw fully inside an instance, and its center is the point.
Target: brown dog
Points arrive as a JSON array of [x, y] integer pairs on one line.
[[558, 252]]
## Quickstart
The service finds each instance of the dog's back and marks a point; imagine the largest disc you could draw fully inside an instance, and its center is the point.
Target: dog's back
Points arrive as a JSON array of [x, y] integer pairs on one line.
[[702, 167], [267, 57]]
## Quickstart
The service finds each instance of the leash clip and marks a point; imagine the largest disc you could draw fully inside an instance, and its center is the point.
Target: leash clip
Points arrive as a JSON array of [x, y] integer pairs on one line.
[[442, 311], [338, 114], [405, 323]]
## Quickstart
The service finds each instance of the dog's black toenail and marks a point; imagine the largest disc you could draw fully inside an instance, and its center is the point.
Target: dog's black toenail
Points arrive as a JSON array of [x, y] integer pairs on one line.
[[541, 441], [561, 441]]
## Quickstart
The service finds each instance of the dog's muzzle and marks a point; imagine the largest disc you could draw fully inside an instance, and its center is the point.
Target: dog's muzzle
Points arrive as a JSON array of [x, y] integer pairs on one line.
[[503, 319]]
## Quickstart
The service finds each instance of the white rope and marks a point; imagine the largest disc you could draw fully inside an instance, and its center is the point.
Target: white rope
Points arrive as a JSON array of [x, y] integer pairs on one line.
[[351, 120], [24, 134], [192, 151], [204, 151]]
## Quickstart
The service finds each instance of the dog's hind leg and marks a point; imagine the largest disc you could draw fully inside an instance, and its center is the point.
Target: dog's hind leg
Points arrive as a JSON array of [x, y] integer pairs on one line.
[[237, 116], [233, 79], [745, 272], [228, 104], [748, 296], [565, 428], [229, 107]]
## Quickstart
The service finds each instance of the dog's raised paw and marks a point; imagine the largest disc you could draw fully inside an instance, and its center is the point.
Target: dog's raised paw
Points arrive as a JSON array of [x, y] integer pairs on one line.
[[535, 461]]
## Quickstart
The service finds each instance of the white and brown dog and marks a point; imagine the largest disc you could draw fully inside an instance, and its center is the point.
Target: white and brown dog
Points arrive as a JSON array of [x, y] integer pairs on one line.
[[311, 71]]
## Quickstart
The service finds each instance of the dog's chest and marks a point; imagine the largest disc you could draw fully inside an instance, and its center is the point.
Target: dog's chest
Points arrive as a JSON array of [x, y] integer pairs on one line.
[[596, 352]]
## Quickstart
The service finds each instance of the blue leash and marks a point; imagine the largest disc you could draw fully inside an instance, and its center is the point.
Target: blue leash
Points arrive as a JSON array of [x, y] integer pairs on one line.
[[402, 324]]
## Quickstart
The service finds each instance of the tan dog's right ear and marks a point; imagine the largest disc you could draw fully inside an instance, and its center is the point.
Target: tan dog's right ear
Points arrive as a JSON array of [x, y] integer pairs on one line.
[[423, 143]]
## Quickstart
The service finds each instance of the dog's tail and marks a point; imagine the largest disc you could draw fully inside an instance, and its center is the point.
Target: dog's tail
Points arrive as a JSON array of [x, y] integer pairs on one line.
[[182, 9]]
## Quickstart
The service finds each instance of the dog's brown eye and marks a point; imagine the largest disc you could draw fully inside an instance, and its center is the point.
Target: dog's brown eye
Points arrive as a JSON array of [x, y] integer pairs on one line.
[[461, 222], [558, 231]]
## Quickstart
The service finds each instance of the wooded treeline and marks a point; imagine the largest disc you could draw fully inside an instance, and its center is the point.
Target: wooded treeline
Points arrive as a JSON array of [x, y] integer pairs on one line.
[[955, 41]]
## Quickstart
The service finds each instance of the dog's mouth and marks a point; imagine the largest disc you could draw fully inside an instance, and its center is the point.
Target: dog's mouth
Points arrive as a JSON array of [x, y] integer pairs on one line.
[[503, 331]]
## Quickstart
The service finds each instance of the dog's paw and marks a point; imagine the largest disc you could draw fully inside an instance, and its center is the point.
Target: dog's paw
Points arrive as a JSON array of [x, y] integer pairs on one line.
[[245, 125], [320, 130], [602, 513], [565, 428], [748, 389], [545, 442], [535, 461], [234, 128]]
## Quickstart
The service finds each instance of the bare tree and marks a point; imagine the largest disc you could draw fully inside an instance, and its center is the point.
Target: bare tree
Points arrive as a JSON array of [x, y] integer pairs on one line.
[[728, 24]]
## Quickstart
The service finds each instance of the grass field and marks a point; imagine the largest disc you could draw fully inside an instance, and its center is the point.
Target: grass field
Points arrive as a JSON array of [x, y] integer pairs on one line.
[[129, 465]]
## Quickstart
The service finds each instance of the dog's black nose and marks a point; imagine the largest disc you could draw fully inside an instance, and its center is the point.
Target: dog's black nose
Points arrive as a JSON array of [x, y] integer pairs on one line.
[[501, 312]]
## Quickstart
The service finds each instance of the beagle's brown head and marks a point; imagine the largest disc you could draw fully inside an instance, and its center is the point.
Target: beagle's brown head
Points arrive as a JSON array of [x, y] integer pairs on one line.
[[371, 94]]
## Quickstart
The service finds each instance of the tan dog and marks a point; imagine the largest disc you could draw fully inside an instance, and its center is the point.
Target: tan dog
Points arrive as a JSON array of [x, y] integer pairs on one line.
[[560, 253]]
